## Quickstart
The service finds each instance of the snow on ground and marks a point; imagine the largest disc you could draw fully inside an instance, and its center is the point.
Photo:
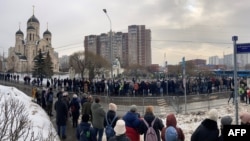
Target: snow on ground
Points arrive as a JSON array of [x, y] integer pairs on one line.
[[190, 121], [38, 117]]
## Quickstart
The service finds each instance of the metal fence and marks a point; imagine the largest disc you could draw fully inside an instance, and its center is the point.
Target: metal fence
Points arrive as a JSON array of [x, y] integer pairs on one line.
[[162, 104]]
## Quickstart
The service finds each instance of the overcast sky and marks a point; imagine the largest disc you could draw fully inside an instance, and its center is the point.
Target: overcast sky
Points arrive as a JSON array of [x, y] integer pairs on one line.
[[180, 28]]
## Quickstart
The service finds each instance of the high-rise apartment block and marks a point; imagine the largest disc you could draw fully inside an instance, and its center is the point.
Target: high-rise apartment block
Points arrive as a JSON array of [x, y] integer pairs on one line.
[[130, 48]]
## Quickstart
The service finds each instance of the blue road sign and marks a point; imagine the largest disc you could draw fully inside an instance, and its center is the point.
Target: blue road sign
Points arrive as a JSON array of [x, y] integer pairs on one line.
[[243, 48]]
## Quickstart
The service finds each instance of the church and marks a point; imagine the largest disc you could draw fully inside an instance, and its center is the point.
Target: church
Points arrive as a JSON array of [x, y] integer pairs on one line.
[[21, 57]]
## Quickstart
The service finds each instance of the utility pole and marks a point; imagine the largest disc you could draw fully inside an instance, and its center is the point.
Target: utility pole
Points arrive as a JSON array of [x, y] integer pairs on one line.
[[235, 38]]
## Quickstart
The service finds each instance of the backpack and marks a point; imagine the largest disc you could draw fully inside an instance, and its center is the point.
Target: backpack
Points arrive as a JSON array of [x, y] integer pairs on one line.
[[72, 108], [150, 134], [109, 130], [171, 134], [85, 135], [50, 99]]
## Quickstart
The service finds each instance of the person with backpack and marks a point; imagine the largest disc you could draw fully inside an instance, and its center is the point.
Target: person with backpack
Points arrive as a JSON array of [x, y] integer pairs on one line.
[[84, 131], [120, 132], [110, 121], [132, 123], [151, 125], [75, 110], [171, 132]]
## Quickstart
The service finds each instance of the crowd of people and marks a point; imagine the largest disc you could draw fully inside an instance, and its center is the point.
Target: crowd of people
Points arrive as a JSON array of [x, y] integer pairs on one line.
[[94, 121], [133, 87]]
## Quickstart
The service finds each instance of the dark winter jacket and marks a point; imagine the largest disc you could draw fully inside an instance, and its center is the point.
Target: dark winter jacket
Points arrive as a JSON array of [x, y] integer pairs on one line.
[[86, 109], [61, 112], [74, 102], [122, 137], [206, 131], [110, 116], [132, 123], [171, 121], [85, 126], [158, 125]]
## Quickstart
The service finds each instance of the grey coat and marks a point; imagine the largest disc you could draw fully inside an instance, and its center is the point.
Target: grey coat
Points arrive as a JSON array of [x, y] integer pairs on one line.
[[98, 114]]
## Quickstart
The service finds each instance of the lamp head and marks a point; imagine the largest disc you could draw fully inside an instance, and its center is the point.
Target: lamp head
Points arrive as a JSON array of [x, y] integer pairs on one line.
[[104, 10]]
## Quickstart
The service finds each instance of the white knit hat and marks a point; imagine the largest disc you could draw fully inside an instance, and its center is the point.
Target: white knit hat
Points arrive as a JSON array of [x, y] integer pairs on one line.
[[74, 95], [120, 127], [112, 107], [213, 114]]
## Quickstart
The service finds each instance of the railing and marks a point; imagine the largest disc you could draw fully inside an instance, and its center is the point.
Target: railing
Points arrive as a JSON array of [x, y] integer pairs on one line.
[[162, 104]]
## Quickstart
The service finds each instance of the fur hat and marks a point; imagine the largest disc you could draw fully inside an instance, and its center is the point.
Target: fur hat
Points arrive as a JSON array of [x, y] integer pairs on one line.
[[245, 118], [213, 114], [65, 94], [74, 96], [226, 120], [112, 107], [133, 108], [120, 127]]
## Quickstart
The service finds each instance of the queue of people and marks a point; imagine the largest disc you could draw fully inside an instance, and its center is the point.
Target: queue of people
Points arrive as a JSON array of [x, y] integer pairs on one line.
[[130, 126]]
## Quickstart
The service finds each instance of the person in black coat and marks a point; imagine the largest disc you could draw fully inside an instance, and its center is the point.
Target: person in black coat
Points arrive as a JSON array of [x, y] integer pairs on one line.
[[84, 128], [61, 109], [208, 129], [75, 109], [110, 116]]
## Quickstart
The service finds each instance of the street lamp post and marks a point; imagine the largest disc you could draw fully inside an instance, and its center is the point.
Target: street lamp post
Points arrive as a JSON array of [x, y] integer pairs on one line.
[[111, 50]]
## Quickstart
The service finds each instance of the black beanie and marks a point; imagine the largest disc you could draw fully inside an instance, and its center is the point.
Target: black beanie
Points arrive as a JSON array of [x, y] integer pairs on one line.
[[85, 118]]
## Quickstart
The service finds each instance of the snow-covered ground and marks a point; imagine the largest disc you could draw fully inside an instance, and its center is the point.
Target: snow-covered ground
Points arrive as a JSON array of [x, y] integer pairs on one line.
[[190, 121], [39, 120]]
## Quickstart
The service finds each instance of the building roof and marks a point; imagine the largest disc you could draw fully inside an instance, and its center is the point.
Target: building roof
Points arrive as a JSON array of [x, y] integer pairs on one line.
[[33, 19], [19, 32], [47, 32]]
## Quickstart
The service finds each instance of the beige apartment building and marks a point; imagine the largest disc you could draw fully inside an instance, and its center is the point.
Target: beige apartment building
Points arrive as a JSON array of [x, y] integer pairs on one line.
[[129, 48]]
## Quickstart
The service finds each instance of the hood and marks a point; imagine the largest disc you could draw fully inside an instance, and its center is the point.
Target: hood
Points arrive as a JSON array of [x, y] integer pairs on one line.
[[171, 120]]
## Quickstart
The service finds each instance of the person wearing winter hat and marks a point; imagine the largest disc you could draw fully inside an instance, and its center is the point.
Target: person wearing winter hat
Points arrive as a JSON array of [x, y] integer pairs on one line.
[[172, 122], [111, 116], [213, 114], [84, 127], [208, 128], [132, 123], [74, 109], [133, 108], [225, 120], [149, 119], [245, 118], [120, 132]]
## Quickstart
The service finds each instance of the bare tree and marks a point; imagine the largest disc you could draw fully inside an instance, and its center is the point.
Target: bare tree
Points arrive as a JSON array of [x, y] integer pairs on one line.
[[15, 124], [89, 62]]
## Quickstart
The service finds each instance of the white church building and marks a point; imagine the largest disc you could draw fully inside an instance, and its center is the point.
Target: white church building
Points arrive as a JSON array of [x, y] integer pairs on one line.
[[21, 56]]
